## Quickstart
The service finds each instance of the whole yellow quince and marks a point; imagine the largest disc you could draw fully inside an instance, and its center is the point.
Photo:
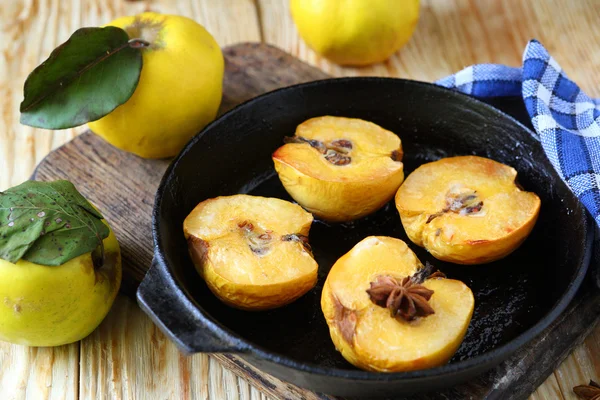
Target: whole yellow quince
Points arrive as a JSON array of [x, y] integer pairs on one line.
[[179, 90], [355, 32], [54, 305]]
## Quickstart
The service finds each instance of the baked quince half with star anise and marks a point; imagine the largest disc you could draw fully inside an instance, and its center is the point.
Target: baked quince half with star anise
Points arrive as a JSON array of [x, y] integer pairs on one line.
[[252, 251], [466, 209], [387, 312], [340, 169]]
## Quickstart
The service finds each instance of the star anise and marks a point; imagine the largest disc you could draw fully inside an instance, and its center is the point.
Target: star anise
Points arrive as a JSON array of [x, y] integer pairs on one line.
[[405, 298], [588, 392]]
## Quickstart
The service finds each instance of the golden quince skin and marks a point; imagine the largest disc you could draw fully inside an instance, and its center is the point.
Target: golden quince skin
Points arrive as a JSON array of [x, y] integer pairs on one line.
[[466, 209], [367, 335], [252, 251], [54, 305], [179, 90], [340, 169], [357, 32]]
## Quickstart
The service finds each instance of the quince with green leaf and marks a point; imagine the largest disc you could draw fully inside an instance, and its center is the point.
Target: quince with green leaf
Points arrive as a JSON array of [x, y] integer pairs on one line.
[[145, 83], [60, 265]]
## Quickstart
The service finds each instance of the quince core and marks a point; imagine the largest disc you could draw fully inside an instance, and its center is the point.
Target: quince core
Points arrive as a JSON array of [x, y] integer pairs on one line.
[[466, 209], [372, 338], [340, 169], [252, 251]]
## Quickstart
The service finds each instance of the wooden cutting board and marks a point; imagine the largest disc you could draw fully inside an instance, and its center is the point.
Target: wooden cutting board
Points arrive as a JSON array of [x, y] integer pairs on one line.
[[123, 185]]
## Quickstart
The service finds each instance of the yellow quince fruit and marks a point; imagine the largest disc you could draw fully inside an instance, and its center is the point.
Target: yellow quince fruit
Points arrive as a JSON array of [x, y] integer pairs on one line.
[[179, 90], [54, 305], [60, 265], [355, 32]]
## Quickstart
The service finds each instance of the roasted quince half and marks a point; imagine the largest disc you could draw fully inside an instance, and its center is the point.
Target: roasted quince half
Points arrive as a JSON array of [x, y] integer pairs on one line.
[[387, 312], [340, 169], [253, 252], [467, 209]]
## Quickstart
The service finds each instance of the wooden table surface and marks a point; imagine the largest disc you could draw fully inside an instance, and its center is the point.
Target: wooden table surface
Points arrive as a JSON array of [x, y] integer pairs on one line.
[[127, 356]]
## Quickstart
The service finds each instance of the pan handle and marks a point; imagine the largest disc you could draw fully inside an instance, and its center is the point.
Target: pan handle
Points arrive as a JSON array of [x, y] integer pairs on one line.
[[172, 311]]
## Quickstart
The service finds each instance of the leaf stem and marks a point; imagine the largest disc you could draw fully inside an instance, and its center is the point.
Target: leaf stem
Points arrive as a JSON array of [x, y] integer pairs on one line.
[[100, 264]]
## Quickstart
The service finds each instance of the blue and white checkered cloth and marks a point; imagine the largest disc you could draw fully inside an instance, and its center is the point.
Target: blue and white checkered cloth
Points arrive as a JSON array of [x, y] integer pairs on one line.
[[566, 120]]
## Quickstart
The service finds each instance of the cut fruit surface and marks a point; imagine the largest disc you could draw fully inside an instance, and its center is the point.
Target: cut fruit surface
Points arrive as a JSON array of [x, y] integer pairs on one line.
[[252, 251], [367, 335], [466, 209], [331, 162]]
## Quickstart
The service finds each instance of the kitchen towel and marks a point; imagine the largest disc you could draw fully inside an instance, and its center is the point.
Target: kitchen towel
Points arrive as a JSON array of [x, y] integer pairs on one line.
[[566, 120]]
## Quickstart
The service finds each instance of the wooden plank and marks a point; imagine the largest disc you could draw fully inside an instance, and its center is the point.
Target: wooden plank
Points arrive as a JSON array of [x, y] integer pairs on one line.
[[548, 390], [580, 366], [38, 373], [127, 357], [29, 31]]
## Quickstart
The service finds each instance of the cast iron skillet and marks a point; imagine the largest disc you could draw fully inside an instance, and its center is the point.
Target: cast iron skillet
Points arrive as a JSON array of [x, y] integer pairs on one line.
[[516, 298]]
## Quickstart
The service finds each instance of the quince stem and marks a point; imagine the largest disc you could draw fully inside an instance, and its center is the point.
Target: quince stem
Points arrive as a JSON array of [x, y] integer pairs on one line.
[[136, 43]]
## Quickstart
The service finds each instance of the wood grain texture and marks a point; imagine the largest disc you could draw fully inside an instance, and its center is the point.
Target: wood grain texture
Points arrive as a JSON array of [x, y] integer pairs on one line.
[[38, 373], [450, 35], [116, 364], [581, 365], [549, 390]]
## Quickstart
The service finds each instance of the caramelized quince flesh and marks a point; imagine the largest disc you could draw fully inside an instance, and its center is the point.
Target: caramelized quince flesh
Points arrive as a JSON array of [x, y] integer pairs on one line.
[[252, 251], [466, 210], [340, 169], [367, 335]]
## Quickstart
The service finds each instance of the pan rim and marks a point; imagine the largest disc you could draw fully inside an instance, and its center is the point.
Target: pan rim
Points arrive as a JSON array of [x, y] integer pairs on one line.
[[488, 359]]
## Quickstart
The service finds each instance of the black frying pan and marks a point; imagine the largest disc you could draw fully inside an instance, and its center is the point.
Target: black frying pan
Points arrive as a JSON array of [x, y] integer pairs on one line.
[[516, 298]]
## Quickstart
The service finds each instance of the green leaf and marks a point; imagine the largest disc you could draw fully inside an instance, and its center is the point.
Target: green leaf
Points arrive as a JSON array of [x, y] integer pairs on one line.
[[48, 223], [84, 79]]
